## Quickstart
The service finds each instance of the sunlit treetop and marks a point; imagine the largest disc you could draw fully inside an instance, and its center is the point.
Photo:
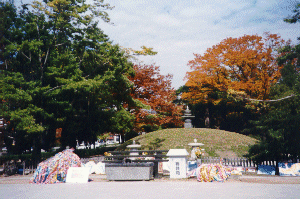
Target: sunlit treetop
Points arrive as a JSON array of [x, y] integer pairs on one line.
[[245, 64]]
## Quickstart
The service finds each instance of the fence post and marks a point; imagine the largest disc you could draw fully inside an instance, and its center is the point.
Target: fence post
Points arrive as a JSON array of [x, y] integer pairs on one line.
[[23, 167]]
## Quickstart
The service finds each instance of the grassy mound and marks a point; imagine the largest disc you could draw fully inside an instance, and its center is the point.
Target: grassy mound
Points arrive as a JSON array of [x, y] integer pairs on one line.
[[217, 143]]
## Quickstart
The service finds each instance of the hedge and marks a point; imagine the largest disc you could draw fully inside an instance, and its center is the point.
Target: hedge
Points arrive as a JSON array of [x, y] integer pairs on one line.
[[82, 153]]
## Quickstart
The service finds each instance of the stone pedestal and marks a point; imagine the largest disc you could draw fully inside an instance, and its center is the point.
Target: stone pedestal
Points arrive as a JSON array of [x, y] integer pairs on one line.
[[178, 163], [188, 123]]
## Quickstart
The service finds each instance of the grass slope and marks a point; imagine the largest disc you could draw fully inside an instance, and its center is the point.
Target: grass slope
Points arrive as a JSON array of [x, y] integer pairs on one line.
[[217, 143]]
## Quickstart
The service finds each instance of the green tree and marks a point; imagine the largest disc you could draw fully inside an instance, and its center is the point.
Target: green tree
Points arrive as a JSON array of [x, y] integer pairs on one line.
[[280, 126], [74, 75], [296, 17], [279, 131], [122, 123], [16, 103]]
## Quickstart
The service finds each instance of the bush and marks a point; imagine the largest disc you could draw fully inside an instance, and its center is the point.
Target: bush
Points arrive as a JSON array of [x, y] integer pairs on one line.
[[85, 153], [82, 153]]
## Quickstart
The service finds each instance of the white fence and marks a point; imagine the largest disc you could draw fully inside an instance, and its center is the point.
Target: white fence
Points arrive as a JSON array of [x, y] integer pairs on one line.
[[95, 159], [240, 161]]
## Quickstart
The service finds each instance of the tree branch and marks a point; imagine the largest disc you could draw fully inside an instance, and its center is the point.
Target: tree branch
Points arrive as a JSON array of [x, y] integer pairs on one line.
[[59, 44], [54, 88], [38, 31], [290, 96], [26, 56], [46, 56]]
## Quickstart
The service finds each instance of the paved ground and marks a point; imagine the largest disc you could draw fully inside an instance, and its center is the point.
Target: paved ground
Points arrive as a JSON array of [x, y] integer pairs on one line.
[[270, 179], [246, 187], [150, 189]]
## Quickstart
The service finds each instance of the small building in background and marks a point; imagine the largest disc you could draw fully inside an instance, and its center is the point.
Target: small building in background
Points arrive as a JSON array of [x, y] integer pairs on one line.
[[114, 139]]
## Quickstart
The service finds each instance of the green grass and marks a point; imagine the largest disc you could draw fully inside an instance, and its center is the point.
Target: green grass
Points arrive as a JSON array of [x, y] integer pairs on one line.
[[217, 143]]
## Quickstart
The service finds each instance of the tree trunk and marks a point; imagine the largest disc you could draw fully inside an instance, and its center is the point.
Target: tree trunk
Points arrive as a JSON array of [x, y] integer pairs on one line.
[[207, 123], [36, 153], [122, 137]]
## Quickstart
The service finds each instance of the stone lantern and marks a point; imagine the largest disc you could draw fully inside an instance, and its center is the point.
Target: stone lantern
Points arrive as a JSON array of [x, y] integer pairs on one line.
[[194, 146], [187, 116], [134, 149]]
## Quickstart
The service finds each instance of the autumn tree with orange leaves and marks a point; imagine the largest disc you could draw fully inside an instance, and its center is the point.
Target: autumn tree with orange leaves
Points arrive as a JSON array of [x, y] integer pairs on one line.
[[246, 67], [242, 65], [155, 91]]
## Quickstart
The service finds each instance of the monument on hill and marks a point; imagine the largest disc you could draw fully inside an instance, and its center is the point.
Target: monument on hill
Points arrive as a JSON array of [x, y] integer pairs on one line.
[[187, 116]]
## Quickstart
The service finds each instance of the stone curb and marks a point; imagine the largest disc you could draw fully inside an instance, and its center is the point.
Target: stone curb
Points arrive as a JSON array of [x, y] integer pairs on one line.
[[19, 179]]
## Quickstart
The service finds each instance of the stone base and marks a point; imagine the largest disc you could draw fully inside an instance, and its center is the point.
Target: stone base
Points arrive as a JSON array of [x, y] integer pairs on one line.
[[188, 125], [129, 171]]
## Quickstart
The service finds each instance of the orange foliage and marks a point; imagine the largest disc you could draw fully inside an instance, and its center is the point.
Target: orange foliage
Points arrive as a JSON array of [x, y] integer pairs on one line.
[[154, 89], [245, 64], [58, 135]]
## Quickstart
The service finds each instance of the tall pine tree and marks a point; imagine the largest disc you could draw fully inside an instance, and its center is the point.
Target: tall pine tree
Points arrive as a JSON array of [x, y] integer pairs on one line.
[[73, 77]]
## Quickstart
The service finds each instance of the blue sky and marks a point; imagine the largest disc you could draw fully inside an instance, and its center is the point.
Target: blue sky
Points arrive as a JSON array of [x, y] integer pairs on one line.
[[177, 29]]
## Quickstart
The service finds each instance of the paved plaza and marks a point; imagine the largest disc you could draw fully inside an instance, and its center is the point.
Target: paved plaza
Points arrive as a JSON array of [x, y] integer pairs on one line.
[[150, 189], [256, 187]]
